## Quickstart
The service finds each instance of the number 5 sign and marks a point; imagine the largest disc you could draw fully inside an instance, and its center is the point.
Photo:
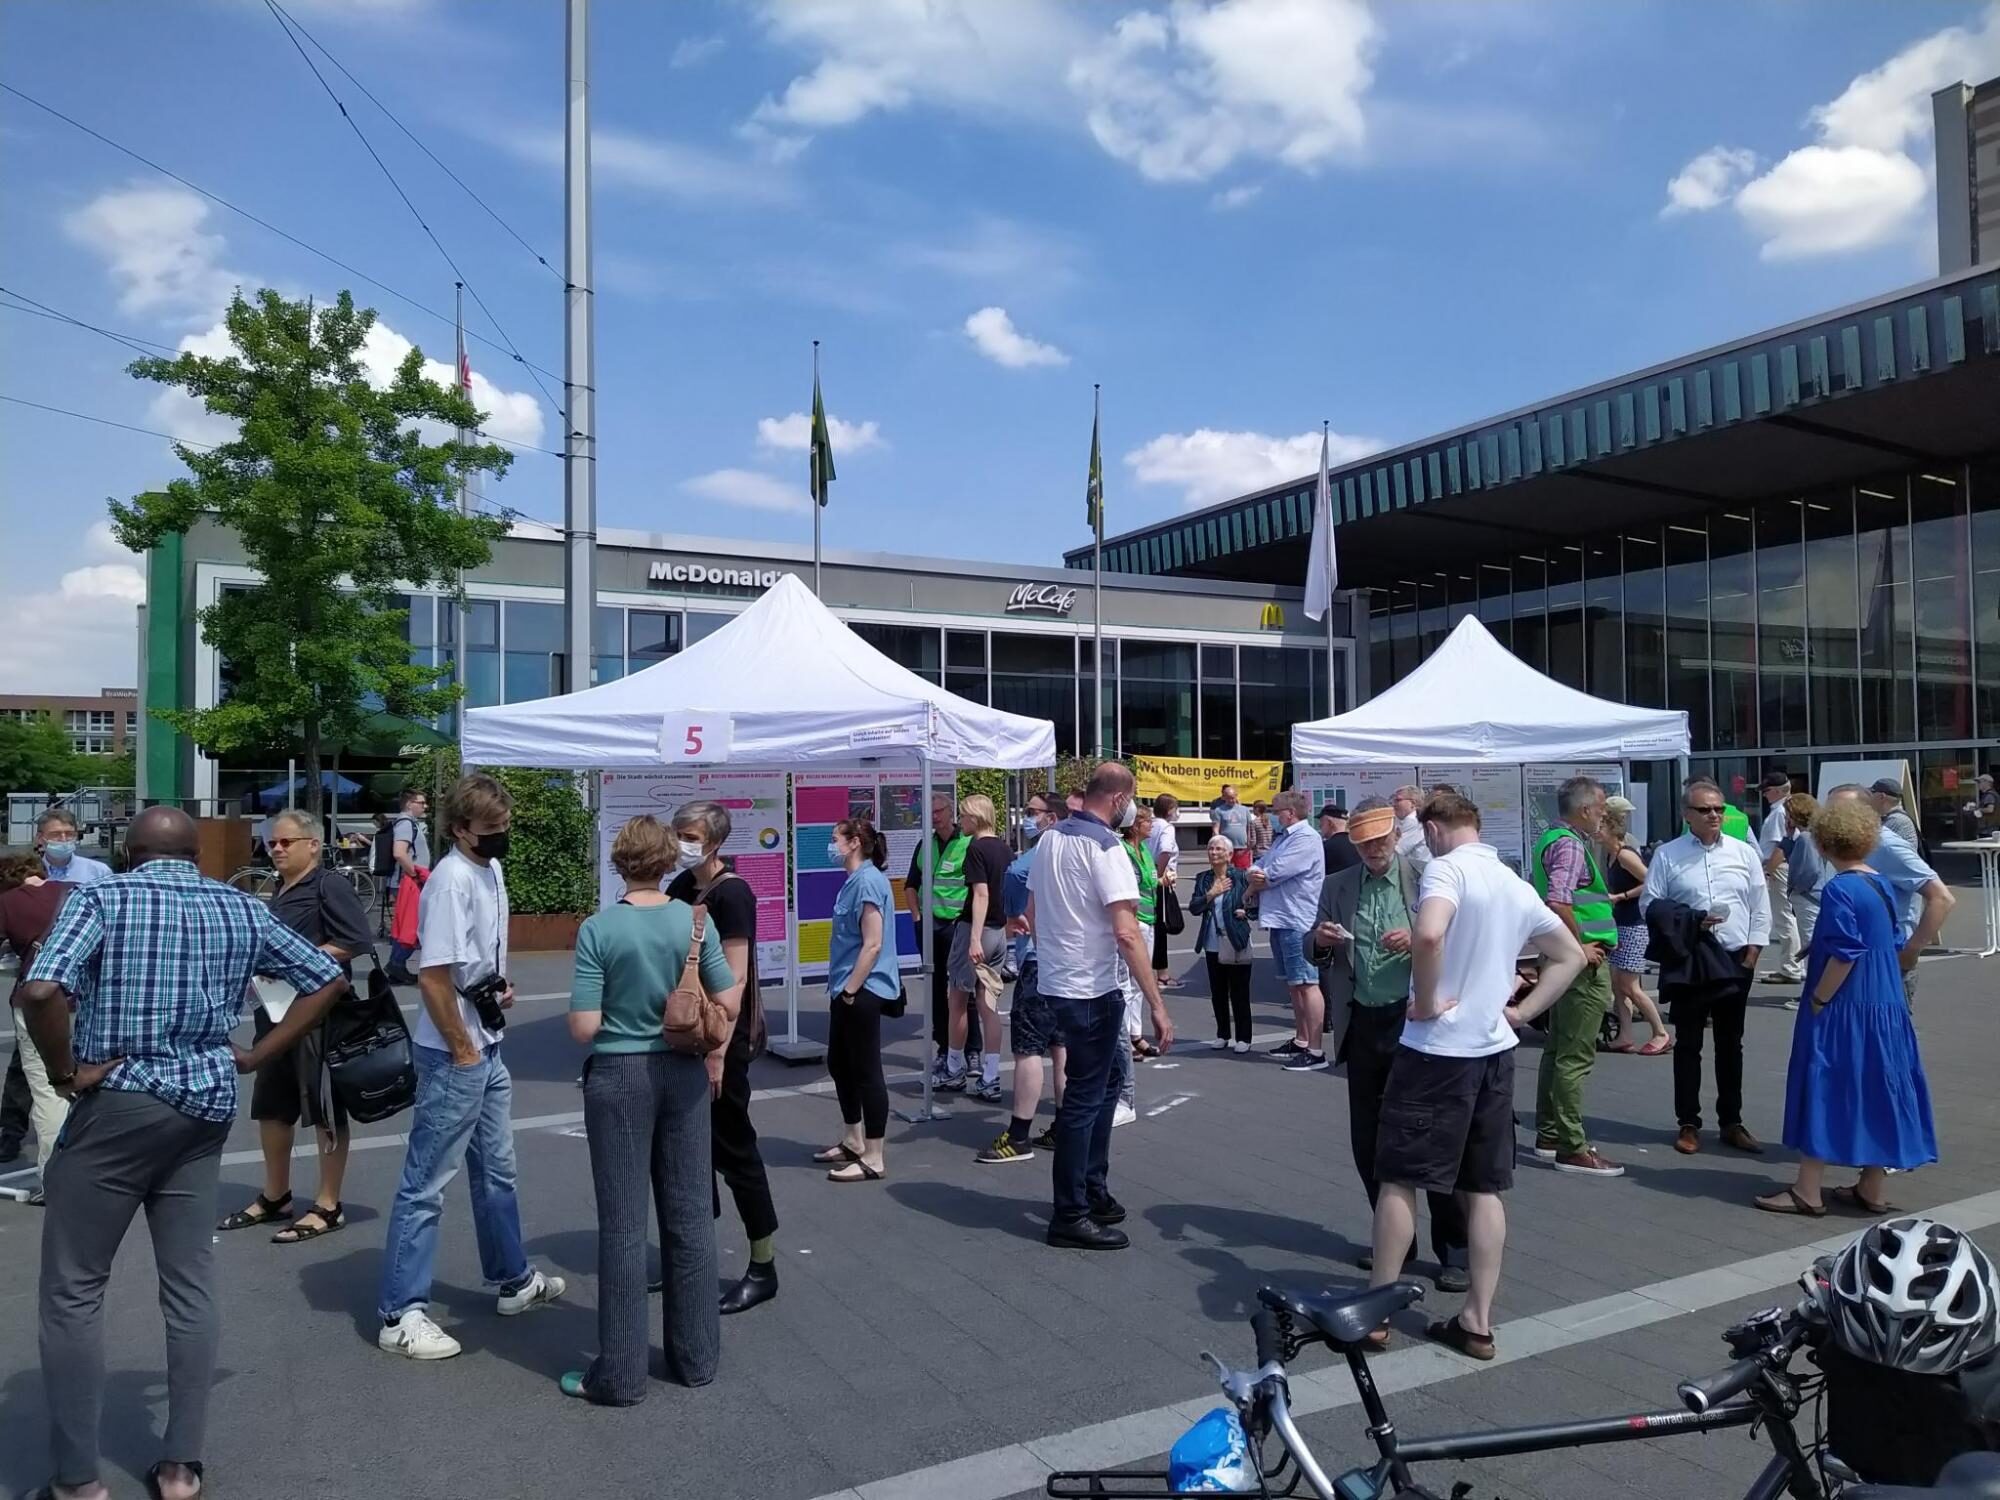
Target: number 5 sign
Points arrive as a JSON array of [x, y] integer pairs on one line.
[[695, 738]]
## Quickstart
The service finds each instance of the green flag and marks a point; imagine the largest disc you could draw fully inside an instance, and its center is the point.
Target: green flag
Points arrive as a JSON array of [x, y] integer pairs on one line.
[[822, 446], [1094, 491]]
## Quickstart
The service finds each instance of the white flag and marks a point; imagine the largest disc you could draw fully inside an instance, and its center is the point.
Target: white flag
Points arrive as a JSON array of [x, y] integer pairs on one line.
[[1322, 571]]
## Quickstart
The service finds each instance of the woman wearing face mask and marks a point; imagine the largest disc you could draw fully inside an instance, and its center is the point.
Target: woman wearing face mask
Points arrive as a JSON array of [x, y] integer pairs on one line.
[[861, 975], [700, 831]]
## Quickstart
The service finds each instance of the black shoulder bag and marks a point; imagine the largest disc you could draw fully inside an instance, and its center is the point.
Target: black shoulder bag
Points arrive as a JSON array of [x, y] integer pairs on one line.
[[369, 1061]]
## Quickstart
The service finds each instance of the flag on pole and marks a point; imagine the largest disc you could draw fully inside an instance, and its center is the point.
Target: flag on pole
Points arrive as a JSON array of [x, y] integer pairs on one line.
[[464, 372], [1094, 490], [822, 444], [1322, 570]]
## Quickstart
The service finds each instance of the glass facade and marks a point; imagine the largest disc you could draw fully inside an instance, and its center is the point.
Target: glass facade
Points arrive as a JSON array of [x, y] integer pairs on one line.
[[1859, 622]]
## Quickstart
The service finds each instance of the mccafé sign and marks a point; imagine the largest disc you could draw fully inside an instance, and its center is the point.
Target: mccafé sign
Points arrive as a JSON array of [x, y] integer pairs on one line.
[[662, 571], [1041, 599]]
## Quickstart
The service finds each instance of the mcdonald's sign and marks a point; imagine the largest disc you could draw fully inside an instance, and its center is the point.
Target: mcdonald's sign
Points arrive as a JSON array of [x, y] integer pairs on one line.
[[1273, 617]]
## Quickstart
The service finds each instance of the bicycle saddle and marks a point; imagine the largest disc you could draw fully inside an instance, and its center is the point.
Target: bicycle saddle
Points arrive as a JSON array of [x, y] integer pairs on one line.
[[1343, 1319]]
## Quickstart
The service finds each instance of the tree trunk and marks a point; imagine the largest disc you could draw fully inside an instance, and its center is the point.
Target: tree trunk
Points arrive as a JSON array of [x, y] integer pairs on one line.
[[314, 790]]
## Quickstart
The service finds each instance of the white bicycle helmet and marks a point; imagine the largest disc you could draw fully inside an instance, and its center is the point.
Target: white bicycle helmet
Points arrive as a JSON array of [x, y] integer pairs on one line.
[[1915, 1295]]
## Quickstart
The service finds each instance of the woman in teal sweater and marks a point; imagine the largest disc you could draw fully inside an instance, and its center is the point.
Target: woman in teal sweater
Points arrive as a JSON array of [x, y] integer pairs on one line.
[[646, 1113]]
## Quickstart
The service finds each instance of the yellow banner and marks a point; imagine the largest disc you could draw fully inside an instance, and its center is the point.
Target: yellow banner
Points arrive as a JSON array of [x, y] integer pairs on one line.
[[1196, 783]]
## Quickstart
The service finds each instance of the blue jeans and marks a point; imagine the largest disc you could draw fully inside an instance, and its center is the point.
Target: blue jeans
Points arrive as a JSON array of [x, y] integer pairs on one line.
[[461, 1113], [1288, 949], [1094, 1032], [399, 957]]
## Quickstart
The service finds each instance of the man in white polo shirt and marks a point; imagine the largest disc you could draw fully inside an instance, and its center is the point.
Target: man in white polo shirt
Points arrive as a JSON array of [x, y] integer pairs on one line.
[[1448, 1110], [1083, 909]]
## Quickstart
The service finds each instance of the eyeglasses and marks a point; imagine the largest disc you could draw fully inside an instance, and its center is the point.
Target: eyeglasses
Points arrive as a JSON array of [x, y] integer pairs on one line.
[[1705, 810], [283, 844]]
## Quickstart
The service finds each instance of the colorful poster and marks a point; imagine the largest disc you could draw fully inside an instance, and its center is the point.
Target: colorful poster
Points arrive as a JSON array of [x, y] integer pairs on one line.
[[1541, 782], [1350, 785], [755, 848], [1497, 790], [893, 800]]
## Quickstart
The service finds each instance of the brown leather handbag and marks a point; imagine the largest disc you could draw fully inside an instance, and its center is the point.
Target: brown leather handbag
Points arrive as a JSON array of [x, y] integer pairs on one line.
[[692, 1020]]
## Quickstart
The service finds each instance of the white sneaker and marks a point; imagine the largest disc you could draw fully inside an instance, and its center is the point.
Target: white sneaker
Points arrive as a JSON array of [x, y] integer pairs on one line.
[[1124, 1115], [1239, 1046], [415, 1336], [1218, 1043], [539, 1289]]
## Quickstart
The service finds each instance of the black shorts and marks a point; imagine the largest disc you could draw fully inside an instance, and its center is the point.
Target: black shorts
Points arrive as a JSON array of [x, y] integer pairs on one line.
[[278, 1091], [1448, 1123], [1032, 1018]]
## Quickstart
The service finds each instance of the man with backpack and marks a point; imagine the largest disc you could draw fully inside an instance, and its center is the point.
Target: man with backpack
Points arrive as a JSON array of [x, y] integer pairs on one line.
[[409, 853]]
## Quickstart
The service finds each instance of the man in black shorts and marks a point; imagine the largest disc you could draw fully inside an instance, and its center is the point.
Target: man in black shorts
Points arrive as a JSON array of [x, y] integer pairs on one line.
[[1448, 1109]]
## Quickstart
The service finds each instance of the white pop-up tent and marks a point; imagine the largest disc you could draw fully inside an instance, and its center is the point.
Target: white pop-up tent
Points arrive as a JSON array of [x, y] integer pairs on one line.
[[785, 684], [1475, 701]]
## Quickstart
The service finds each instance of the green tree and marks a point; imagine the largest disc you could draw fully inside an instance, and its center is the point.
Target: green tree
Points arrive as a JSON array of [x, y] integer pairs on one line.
[[36, 756], [337, 496]]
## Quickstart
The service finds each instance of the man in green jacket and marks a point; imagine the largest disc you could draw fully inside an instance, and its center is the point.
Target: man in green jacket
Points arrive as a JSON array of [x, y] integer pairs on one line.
[[948, 898], [1569, 877]]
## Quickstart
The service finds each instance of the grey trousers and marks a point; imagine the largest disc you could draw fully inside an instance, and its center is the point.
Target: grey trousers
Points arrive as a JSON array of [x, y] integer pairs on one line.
[[121, 1152], [647, 1119]]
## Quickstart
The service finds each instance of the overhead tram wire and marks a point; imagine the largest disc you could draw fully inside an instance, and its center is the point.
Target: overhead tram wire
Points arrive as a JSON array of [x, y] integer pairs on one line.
[[144, 347], [415, 213], [267, 225], [491, 212]]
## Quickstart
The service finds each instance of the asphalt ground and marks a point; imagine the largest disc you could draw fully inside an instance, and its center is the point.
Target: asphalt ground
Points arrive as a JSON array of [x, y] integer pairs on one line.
[[925, 1341]]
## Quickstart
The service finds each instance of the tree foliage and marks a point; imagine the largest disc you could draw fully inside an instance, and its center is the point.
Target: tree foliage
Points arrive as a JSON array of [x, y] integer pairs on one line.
[[339, 495], [549, 868], [37, 756]]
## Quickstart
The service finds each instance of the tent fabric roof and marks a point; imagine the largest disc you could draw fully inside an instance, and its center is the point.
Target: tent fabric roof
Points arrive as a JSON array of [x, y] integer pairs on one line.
[[796, 684], [1473, 701]]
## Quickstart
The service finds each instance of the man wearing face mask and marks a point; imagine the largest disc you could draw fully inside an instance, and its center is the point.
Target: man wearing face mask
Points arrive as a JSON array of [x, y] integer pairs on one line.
[[55, 835], [465, 1096], [705, 879]]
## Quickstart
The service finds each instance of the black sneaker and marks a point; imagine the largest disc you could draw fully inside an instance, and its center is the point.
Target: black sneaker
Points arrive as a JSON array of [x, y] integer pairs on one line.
[[1107, 1210], [9, 1151], [1003, 1151], [1046, 1141], [1306, 1062], [1289, 1048], [1085, 1234]]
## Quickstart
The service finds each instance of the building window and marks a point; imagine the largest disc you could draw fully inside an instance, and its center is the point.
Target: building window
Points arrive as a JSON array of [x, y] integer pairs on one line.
[[965, 664], [1496, 601], [1462, 596], [1036, 675], [1381, 645], [1732, 632], [1087, 690], [703, 623], [91, 731], [1565, 606], [1218, 702], [1431, 615], [1984, 482], [1405, 637], [1686, 549], [651, 636], [1604, 619], [1276, 694], [917, 647], [532, 649], [1156, 695], [1943, 604], [1832, 653], [607, 647], [1531, 621], [1882, 540], [1781, 622]]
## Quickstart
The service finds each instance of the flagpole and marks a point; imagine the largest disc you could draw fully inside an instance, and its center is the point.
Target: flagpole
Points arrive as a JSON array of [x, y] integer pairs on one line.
[[1097, 590], [1332, 698], [813, 468], [464, 614]]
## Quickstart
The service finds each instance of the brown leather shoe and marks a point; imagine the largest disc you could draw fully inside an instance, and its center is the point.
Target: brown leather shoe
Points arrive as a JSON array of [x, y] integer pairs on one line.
[[1688, 1141], [1736, 1137]]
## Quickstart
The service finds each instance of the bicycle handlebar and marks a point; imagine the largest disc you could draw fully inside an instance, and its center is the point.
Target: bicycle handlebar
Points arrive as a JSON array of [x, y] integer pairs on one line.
[[1699, 1396], [1264, 1326]]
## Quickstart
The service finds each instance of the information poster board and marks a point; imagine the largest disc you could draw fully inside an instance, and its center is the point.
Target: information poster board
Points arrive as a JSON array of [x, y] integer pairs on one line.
[[1349, 785], [821, 799], [1497, 790], [1541, 782], [755, 848]]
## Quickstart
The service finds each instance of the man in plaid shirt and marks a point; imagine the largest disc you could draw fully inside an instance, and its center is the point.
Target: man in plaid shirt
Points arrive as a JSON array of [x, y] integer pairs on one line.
[[156, 963]]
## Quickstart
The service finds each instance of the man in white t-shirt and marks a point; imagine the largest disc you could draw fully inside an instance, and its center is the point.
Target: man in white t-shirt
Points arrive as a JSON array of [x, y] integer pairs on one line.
[[1448, 1109], [1083, 909], [465, 1096]]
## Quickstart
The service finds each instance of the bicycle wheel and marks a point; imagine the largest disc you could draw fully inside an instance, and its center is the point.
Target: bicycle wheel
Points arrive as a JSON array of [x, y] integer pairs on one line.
[[252, 881], [364, 885]]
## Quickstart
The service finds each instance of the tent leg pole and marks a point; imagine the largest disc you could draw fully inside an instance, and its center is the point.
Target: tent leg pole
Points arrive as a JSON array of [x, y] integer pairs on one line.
[[926, 941], [791, 1047]]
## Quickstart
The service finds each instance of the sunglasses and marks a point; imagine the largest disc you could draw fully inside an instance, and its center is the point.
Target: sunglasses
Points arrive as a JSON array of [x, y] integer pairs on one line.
[[1713, 810], [287, 843]]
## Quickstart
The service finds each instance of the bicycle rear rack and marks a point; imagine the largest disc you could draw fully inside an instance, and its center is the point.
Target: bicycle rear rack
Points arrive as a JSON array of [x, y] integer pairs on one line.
[[1152, 1484]]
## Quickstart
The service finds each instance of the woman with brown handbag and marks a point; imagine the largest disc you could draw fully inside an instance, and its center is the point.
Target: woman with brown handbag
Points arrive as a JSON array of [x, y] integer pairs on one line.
[[652, 990]]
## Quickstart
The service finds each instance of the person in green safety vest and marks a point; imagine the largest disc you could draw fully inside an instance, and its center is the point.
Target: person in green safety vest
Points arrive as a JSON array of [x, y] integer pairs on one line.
[[1568, 877], [1138, 836], [948, 898]]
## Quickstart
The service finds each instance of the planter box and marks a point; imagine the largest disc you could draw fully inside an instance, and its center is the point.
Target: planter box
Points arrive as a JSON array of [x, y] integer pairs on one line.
[[542, 934]]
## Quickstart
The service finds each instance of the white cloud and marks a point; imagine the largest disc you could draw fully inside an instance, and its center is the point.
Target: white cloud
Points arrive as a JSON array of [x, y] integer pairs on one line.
[[749, 489], [156, 248], [1709, 181], [654, 164], [119, 581], [1862, 181], [101, 542], [1181, 95], [994, 335], [693, 51], [793, 434], [80, 635], [997, 251], [1237, 197], [1207, 466]]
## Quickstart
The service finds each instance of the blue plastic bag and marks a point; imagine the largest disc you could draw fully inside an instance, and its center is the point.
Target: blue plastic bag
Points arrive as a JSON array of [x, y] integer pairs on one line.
[[1213, 1454]]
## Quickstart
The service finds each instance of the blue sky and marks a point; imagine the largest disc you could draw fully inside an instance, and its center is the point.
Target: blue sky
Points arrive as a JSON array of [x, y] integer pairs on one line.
[[1241, 216]]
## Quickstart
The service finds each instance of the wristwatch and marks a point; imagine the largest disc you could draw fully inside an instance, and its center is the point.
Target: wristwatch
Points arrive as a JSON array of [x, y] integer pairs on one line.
[[66, 1080]]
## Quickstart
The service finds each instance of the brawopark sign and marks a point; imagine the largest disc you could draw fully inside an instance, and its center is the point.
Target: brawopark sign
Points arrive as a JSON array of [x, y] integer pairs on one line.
[[1041, 598], [662, 571]]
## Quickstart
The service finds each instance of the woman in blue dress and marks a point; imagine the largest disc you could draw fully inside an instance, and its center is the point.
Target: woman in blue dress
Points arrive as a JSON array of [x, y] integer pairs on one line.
[[1855, 1093]]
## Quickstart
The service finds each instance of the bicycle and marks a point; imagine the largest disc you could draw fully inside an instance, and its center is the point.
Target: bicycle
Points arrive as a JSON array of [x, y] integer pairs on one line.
[[262, 882], [1288, 1321]]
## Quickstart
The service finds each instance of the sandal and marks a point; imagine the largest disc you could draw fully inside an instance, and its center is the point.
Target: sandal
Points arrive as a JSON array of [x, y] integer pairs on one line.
[[837, 1153], [1455, 1335], [862, 1172], [1850, 1197], [1789, 1202], [1377, 1340], [263, 1211], [153, 1474], [302, 1229], [1621, 1047], [1658, 1046]]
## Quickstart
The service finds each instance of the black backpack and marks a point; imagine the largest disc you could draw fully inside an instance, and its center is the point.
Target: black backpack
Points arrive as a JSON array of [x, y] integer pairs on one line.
[[368, 1056], [382, 859]]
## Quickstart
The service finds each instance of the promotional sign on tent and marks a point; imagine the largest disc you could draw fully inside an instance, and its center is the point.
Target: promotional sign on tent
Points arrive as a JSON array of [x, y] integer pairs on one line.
[[1540, 784], [1196, 783], [893, 801]]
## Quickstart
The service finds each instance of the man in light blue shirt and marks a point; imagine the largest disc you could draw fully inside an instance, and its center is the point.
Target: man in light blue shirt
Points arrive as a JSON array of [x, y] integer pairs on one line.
[[1287, 886], [55, 836], [1926, 900]]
